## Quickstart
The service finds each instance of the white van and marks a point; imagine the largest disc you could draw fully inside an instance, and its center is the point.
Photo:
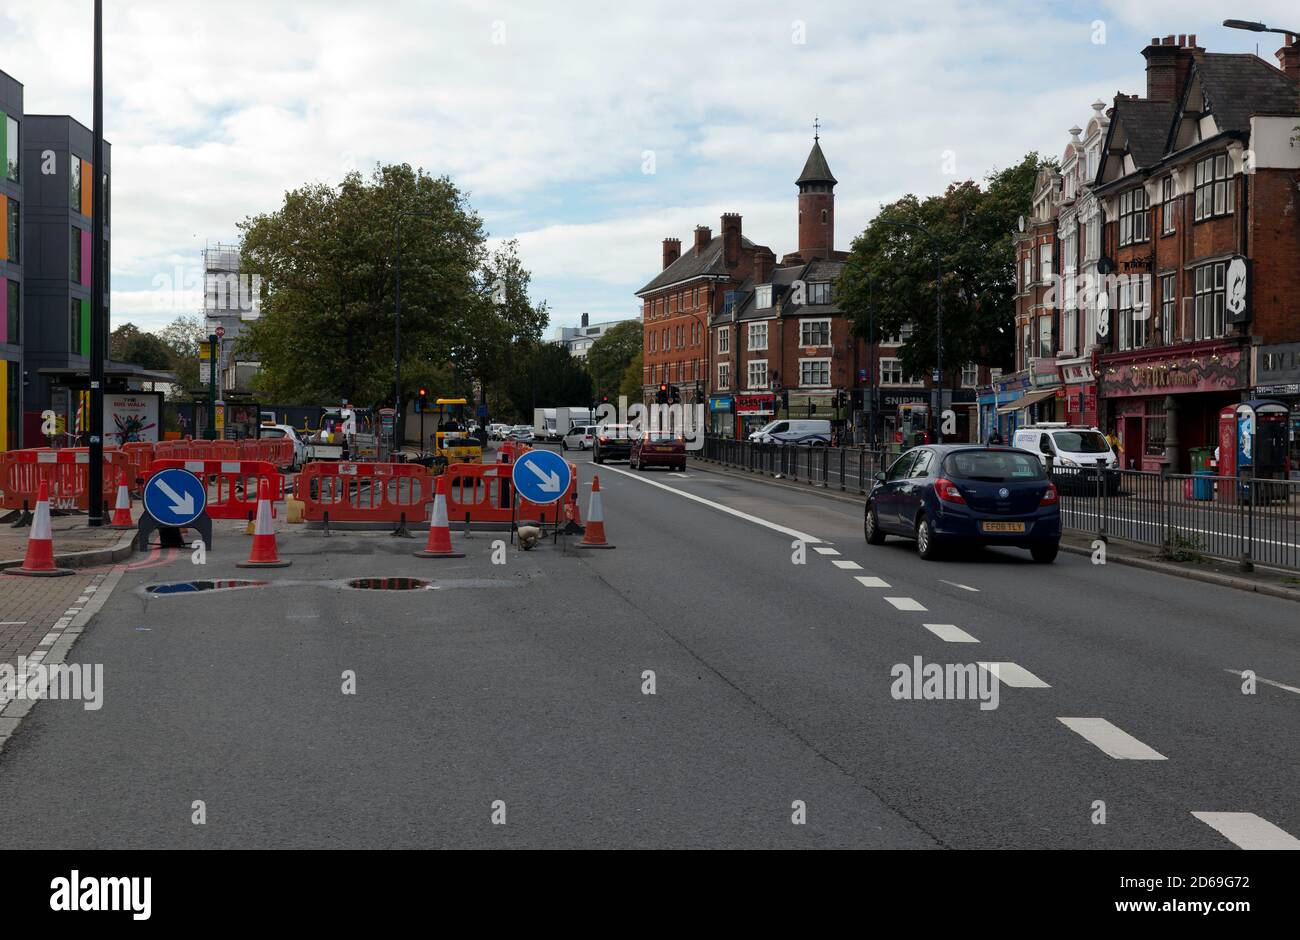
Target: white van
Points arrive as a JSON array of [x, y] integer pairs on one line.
[[794, 431], [1068, 445]]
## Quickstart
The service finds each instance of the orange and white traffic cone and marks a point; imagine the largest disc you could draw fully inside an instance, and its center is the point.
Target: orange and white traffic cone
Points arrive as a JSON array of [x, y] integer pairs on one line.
[[439, 544], [122, 511], [264, 554], [39, 562], [594, 537]]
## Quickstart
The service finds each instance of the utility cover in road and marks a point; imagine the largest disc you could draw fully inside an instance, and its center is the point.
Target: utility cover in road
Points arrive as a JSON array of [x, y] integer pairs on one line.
[[541, 476], [175, 497]]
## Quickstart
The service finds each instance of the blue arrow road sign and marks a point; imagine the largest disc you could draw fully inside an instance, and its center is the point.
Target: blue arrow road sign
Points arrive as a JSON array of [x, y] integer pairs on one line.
[[175, 497], [541, 476]]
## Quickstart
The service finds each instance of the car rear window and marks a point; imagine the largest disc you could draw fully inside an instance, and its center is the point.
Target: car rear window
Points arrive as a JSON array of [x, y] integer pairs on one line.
[[661, 437], [994, 465]]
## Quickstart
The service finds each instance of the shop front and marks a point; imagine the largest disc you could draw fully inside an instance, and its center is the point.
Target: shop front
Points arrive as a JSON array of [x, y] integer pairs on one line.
[[722, 422], [1045, 385], [1277, 377], [998, 405], [753, 411], [1079, 388], [1160, 407]]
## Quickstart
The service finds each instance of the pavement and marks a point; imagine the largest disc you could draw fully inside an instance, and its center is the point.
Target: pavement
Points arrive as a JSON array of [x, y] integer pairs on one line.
[[508, 705]]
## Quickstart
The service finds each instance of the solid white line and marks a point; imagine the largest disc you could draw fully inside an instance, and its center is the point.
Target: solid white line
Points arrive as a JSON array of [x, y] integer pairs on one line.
[[904, 603], [847, 565], [1118, 744], [1248, 831], [871, 582], [793, 533], [949, 633], [1276, 685], [964, 587], [1014, 676], [825, 551]]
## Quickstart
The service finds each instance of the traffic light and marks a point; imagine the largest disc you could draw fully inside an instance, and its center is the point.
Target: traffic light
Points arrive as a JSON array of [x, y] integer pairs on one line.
[[661, 396], [674, 395], [423, 395], [604, 399]]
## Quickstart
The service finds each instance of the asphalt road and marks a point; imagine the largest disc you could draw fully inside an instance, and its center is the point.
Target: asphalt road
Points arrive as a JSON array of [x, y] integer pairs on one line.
[[523, 683]]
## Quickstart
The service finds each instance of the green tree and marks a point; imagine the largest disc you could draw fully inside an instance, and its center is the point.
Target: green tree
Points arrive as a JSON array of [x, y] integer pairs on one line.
[[633, 378], [182, 338], [890, 275], [546, 375], [128, 343], [327, 261], [609, 356]]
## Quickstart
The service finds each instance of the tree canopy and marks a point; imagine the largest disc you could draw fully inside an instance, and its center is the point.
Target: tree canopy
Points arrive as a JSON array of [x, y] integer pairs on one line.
[[890, 275], [610, 355]]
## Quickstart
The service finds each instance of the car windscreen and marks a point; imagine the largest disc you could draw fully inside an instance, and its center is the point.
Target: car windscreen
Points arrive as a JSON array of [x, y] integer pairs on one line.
[[1080, 442], [993, 466]]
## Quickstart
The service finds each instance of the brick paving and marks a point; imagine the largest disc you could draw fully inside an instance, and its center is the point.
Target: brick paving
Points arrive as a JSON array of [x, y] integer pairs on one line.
[[31, 607], [71, 534]]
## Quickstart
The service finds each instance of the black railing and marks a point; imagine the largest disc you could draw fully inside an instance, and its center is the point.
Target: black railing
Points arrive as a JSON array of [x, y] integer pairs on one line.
[[1187, 516]]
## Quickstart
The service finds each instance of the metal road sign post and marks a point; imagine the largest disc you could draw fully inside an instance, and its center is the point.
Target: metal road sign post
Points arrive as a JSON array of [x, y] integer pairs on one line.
[[174, 499], [541, 477]]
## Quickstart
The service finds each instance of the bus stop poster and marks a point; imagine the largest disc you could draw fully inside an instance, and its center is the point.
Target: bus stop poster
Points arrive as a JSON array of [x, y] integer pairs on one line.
[[129, 418]]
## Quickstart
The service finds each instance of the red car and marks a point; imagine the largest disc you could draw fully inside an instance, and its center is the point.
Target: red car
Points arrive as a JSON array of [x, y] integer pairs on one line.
[[658, 449]]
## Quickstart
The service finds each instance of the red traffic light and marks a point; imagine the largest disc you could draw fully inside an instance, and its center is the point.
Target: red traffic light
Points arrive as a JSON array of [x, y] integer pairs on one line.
[[423, 392]]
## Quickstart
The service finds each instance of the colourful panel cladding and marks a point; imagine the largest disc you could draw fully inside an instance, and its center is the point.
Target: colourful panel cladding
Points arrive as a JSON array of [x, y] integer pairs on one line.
[[4, 320], [4, 405], [86, 259], [4, 149], [85, 328], [87, 184], [4, 227]]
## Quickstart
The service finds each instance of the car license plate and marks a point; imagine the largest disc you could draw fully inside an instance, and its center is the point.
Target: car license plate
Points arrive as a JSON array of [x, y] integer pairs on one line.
[[1002, 526]]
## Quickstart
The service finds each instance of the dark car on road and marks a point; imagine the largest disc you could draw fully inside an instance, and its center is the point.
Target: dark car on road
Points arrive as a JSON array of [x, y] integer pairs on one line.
[[613, 442], [949, 495], [658, 449]]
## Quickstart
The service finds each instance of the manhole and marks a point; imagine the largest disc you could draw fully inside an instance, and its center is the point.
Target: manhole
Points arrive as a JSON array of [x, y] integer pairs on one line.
[[388, 584], [193, 587]]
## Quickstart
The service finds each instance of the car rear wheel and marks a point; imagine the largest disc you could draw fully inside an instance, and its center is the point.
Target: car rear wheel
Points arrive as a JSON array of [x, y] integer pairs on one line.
[[927, 544], [1045, 552], [871, 527]]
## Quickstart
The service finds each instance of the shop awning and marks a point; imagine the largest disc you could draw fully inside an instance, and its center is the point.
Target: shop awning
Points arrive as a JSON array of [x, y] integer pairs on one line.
[[1027, 399]]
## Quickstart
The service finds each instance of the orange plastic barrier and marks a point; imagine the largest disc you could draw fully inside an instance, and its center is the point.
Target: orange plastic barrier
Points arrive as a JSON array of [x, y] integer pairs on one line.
[[67, 471], [485, 490], [364, 492], [233, 486]]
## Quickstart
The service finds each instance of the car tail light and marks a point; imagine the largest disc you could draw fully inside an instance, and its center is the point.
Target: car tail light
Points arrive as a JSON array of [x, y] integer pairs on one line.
[[947, 491], [1050, 498]]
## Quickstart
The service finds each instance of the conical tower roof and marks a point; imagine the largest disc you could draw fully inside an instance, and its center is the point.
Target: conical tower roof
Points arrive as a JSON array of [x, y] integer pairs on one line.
[[816, 170]]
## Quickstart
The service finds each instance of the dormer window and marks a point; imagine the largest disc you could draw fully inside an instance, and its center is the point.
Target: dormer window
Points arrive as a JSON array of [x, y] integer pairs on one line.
[[763, 296]]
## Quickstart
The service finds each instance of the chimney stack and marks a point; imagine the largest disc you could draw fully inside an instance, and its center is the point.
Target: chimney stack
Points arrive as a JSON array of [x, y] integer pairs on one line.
[[731, 239], [703, 235], [764, 262], [672, 250], [1168, 61], [585, 320], [1288, 58]]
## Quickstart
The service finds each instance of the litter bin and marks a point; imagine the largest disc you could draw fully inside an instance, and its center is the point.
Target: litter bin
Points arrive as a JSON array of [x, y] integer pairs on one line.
[[1202, 470]]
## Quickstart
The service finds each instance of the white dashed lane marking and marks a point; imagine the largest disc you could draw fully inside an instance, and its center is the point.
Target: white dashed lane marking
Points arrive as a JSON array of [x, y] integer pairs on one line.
[[871, 582], [1248, 831], [1014, 675], [949, 633], [847, 565], [905, 603], [824, 551], [1276, 685], [1118, 744]]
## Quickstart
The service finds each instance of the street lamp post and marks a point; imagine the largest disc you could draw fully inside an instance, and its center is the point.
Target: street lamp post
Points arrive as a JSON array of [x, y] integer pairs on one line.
[[1253, 27], [98, 328]]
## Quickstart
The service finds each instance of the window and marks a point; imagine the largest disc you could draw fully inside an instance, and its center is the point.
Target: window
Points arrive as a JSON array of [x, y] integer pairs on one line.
[[763, 297], [1214, 187], [74, 183], [891, 373], [1167, 205], [681, 336], [1027, 276], [905, 335], [921, 468], [757, 336], [724, 339], [13, 230], [74, 254], [74, 327], [10, 156], [814, 332], [15, 320], [1045, 350], [758, 373], [1133, 312], [1134, 220], [902, 466], [813, 372], [1045, 262], [1155, 427], [654, 340], [724, 375], [970, 375], [1168, 308], [819, 292], [1209, 300], [1092, 240]]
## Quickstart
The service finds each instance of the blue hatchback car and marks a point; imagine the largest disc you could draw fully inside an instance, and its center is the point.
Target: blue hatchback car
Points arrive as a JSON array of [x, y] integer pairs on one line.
[[966, 494]]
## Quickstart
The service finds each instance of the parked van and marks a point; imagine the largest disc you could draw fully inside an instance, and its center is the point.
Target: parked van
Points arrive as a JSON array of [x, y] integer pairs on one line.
[[794, 431], [1068, 445]]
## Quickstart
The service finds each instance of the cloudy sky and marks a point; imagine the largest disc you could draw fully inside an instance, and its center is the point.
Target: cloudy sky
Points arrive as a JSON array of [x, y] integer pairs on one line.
[[551, 114]]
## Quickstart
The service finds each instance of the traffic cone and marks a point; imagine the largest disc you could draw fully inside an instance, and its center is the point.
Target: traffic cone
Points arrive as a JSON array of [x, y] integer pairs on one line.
[[264, 554], [122, 511], [595, 534], [39, 562], [439, 544]]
